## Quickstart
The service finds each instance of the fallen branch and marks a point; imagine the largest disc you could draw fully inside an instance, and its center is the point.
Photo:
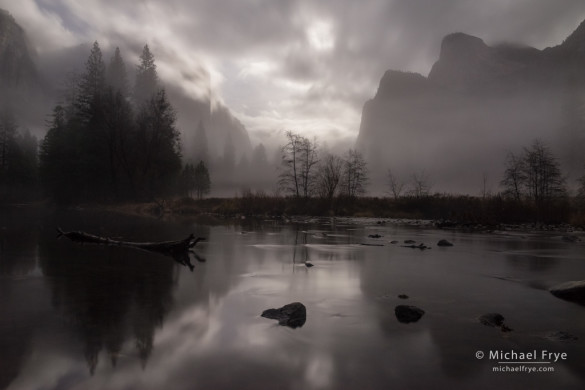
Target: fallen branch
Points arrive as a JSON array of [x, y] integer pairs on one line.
[[178, 250]]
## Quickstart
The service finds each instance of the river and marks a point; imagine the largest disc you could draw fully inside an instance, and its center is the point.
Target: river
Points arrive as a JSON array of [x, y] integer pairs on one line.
[[78, 316]]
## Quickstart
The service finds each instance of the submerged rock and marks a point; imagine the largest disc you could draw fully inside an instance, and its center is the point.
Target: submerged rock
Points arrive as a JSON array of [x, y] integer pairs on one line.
[[293, 315], [444, 243], [420, 246], [409, 241], [494, 320], [374, 236], [570, 291], [403, 296], [407, 314], [571, 238], [561, 336]]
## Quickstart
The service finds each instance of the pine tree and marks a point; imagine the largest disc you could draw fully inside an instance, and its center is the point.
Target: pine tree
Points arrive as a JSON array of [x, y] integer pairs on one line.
[[146, 77], [158, 143], [7, 138], [188, 180], [92, 84], [116, 74], [60, 166], [202, 182]]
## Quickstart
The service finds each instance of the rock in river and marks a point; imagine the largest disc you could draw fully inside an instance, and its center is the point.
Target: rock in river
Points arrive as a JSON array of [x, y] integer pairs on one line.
[[571, 291], [407, 314], [492, 319], [495, 320], [444, 243], [292, 315]]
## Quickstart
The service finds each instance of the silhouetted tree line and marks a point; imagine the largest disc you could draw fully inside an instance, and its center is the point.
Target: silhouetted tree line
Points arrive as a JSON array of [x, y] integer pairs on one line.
[[18, 158], [307, 172], [534, 189], [108, 141]]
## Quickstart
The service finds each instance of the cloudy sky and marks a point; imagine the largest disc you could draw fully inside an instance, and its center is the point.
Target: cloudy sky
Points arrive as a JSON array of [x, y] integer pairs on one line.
[[299, 65]]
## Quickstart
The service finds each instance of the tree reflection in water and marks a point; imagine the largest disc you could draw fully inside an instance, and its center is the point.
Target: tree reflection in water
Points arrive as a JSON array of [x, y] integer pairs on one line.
[[110, 295]]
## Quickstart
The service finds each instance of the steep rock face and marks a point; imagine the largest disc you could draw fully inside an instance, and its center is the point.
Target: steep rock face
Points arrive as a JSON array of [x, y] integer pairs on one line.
[[396, 84], [223, 125], [477, 104], [17, 68], [575, 42]]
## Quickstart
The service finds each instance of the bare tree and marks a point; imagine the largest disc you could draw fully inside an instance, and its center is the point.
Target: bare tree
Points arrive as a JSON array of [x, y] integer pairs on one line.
[[514, 177], [355, 174], [396, 184], [309, 160], [544, 179], [420, 185], [329, 176], [536, 175], [299, 162], [288, 179]]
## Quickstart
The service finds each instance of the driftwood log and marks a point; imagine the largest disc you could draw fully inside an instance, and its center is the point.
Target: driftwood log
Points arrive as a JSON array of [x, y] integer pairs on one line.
[[179, 250]]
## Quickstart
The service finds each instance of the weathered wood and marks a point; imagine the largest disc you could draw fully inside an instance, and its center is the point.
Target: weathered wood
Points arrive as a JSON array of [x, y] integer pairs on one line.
[[178, 249]]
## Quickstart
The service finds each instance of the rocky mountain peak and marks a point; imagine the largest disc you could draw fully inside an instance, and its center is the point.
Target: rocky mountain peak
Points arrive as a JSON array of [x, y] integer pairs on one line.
[[576, 41], [459, 46], [401, 84]]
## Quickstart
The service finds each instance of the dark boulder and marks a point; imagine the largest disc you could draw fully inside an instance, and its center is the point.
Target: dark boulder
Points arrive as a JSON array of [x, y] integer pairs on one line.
[[444, 243], [570, 291], [407, 314], [403, 296], [293, 315], [374, 236]]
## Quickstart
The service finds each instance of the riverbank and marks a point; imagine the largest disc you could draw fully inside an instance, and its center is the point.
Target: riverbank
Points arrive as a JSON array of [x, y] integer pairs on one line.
[[461, 213], [464, 213]]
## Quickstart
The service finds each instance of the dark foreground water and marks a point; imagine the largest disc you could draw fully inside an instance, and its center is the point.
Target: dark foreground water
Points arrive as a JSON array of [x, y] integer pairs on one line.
[[89, 317]]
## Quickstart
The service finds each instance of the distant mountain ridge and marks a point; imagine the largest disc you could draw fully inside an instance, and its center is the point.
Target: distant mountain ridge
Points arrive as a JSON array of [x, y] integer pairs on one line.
[[477, 103]]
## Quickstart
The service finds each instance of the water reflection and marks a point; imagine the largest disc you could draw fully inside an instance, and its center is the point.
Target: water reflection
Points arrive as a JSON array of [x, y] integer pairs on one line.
[[157, 325], [108, 295]]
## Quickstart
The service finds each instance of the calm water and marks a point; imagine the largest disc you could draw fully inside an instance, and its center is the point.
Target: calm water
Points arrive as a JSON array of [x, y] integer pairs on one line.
[[89, 317]]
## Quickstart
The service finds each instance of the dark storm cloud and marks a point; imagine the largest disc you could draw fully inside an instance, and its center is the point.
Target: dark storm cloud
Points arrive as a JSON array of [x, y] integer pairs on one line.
[[305, 65]]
